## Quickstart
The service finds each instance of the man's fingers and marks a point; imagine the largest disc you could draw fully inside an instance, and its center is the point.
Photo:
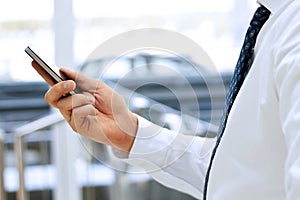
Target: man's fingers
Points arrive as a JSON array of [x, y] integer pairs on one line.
[[82, 81], [59, 90], [75, 101], [84, 119], [84, 111]]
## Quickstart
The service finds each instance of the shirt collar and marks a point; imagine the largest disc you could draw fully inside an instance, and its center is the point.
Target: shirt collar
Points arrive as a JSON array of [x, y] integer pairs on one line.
[[273, 5]]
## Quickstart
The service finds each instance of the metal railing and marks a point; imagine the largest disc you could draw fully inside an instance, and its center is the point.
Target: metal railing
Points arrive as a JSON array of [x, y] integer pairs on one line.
[[2, 188], [20, 133]]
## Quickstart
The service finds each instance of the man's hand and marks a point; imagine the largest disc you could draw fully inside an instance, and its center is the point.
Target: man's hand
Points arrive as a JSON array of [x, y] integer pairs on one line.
[[98, 113]]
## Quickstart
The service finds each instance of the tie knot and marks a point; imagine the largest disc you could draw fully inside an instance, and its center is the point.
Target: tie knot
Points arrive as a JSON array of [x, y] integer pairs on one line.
[[260, 17]]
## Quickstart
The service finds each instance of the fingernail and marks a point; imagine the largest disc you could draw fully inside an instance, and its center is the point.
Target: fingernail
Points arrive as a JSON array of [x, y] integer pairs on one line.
[[67, 85]]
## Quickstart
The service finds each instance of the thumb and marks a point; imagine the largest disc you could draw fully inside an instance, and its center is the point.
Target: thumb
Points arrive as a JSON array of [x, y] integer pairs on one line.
[[83, 82], [67, 74]]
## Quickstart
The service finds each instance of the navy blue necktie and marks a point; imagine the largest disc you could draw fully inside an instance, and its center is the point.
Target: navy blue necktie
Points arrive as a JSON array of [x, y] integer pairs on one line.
[[241, 70]]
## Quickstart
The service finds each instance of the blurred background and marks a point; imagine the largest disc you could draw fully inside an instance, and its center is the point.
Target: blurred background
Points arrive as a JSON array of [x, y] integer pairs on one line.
[[37, 160]]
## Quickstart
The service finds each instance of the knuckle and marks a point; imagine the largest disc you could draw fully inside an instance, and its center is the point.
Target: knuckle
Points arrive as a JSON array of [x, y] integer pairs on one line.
[[74, 128], [48, 98], [61, 105]]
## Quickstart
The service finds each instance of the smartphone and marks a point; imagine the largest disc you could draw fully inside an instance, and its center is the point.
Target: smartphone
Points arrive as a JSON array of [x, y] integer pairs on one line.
[[48, 74]]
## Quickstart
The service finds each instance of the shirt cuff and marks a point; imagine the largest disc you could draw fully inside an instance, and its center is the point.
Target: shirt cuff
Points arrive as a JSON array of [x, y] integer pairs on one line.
[[165, 155], [156, 147], [149, 141]]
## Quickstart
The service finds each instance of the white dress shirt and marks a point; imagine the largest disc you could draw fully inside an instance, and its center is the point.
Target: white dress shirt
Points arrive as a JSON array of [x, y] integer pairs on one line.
[[259, 154]]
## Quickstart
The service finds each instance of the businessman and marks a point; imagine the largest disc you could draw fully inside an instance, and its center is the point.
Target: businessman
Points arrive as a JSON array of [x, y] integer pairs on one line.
[[257, 153]]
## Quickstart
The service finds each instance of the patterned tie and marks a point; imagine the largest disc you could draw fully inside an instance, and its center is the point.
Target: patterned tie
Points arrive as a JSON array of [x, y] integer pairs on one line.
[[242, 67]]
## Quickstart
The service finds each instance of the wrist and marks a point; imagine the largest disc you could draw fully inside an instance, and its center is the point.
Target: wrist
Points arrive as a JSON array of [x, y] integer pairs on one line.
[[129, 135], [133, 133]]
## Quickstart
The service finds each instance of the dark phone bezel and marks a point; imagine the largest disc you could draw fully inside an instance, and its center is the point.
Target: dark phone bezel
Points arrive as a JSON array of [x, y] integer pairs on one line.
[[43, 64], [52, 75]]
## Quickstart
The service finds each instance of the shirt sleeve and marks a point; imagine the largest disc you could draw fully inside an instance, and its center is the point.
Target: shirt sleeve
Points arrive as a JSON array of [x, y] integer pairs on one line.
[[287, 79], [175, 160]]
